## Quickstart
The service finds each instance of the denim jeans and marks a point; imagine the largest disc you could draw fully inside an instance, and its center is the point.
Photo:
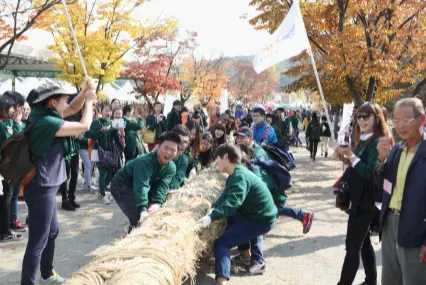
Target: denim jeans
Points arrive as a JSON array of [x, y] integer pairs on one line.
[[14, 204], [256, 247], [88, 167], [105, 177], [240, 230], [43, 228], [288, 211], [126, 201]]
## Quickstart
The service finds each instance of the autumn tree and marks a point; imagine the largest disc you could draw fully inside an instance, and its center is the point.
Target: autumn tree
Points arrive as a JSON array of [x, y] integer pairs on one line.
[[202, 77], [249, 87], [365, 50], [106, 32], [159, 59], [16, 18]]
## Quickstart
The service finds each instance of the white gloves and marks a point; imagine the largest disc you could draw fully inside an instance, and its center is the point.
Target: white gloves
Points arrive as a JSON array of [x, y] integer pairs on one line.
[[192, 174], [153, 208], [205, 221], [144, 214]]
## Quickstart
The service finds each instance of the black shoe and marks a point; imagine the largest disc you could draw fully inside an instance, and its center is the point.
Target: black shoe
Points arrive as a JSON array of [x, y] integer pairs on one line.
[[12, 236], [74, 204], [313, 158], [326, 154], [66, 205]]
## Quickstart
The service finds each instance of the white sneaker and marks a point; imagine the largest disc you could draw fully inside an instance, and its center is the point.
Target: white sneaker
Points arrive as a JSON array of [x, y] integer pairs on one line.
[[52, 280], [93, 189], [106, 200]]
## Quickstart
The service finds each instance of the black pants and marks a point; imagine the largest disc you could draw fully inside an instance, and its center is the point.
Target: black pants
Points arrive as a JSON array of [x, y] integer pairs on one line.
[[358, 242], [5, 210], [313, 147], [72, 174]]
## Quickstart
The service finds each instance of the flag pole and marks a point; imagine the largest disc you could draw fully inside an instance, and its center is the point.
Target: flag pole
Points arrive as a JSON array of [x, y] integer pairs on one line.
[[83, 66], [314, 66]]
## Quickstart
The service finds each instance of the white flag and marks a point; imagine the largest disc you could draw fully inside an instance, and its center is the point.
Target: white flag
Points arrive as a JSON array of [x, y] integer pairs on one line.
[[289, 40]]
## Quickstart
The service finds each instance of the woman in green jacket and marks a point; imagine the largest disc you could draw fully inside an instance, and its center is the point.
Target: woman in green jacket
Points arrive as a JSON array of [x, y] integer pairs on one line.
[[134, 146], [358, 198], [156, 122], [105, 137]]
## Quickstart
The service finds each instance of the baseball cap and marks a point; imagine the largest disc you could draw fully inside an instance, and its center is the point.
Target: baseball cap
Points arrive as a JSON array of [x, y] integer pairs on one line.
[[244, 132], [48, 90]]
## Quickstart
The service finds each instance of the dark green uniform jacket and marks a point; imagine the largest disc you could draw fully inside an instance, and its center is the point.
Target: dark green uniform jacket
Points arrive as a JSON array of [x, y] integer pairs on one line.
[[247, 195], [181, 162], [146, 177]]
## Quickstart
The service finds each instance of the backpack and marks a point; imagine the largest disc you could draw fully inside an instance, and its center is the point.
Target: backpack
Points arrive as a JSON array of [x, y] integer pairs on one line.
[[16, 163], [280, 174], [315, 131], [280, 155]]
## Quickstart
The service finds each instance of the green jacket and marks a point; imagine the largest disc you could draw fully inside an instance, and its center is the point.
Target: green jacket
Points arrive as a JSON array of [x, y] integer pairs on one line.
[[6, 131], [294, 122], [181, 163], [84, 142], [159, 128], [18, 128], [259, 151], [192, 160], [146, 176], [132, 139], [246, 194], [103, 139], [365, 167], [278, 195]]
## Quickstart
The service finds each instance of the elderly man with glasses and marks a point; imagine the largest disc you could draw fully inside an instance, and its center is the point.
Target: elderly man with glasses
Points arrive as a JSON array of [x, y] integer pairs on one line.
[[401, 174]]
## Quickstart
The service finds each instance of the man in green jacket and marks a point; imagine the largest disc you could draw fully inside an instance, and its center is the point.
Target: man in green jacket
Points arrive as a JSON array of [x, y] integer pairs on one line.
[[142, 184], [181, 160], [133, 147], [249, 207]]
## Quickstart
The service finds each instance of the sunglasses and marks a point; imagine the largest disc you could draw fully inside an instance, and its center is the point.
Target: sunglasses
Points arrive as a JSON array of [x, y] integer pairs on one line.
[[364, 117]]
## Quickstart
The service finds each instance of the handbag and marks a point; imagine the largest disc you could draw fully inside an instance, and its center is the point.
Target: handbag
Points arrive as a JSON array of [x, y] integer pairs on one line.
[[148, 136], [109, 158]]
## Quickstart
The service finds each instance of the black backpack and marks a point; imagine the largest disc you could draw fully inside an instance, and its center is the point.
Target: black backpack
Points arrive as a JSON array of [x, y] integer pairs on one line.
[[315, 131], [16, 162]]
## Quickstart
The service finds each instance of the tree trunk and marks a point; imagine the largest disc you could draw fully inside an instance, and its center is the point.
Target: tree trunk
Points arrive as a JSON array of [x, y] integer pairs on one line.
[[355, 94], [371, 90]]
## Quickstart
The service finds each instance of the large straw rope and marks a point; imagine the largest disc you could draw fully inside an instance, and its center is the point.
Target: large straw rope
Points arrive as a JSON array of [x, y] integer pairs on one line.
[[166, 248]]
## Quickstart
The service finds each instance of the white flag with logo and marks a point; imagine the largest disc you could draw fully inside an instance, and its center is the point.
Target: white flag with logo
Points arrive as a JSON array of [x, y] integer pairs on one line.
[[289, 40]]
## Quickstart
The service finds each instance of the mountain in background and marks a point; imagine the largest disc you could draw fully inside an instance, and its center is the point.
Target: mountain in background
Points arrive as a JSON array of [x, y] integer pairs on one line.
[[281, 67]]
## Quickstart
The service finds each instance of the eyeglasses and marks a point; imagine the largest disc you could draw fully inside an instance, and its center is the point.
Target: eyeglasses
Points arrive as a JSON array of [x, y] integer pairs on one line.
[[363, 117], [403, 122]]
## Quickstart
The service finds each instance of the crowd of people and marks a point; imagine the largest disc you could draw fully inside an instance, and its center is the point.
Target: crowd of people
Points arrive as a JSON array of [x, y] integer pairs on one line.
[[139, 161]]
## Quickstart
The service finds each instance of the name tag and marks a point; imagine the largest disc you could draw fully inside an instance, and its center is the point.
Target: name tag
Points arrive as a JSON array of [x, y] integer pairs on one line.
[[387, 186]]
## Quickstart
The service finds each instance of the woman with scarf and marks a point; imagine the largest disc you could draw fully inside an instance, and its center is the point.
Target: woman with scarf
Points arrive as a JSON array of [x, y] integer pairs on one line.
[[357, 195], [48, 146]]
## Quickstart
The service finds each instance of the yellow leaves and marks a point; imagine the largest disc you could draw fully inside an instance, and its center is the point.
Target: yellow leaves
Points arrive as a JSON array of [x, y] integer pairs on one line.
[[105, 31], [382, 38]]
